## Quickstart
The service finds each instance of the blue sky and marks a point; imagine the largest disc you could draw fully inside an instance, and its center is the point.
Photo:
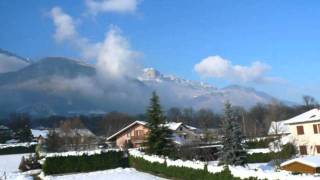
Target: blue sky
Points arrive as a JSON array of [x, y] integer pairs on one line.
[[174, 36]]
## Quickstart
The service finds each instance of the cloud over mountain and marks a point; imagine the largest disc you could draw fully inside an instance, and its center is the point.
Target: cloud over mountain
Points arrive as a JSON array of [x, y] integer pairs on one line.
[[113, 56]]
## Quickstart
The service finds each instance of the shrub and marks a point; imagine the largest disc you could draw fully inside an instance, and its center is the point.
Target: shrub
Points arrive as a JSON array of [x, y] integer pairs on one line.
[[85, 163], [263, 143], [29, 163], [259, 157], [18, 150]]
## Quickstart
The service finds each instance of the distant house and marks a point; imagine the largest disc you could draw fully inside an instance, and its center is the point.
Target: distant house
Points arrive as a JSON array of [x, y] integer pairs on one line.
[[279, 128], [39, 135], [137, 131], [77, 139], [307, 164], [305, 129]]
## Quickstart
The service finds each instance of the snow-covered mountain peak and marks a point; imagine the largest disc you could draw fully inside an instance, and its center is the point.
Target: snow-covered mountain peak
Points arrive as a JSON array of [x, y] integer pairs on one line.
[[153, 75]]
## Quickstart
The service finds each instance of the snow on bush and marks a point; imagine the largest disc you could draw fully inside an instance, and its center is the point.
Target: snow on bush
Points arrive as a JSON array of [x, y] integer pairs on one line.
[[150, 158], [28, 144], [78, 153], [188, 164], [214, 169], [258, 150]]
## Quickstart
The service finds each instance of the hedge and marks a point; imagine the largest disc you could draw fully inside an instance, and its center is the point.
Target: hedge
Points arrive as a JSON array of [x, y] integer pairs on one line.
[[85, 163], [288, 150], [178, 172], [18, 150], [263, 143]]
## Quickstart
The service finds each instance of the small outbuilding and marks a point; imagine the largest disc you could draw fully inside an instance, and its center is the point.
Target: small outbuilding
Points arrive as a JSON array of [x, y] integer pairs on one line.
[[306, 164]]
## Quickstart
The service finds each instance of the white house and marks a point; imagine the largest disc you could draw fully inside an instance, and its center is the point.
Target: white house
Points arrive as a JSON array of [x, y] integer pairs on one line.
[[305, 128], [279, 128]]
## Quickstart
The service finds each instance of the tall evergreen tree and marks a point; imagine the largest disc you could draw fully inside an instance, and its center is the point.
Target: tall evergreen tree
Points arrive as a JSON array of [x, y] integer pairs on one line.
[[233, 151], [159, 139]]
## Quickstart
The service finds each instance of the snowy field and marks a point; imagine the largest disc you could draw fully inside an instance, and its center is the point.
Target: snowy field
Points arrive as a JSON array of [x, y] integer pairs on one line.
[[9, 167], [113, 174]]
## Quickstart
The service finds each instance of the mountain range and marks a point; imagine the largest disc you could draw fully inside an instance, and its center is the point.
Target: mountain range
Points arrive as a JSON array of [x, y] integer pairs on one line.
[[59, 85]]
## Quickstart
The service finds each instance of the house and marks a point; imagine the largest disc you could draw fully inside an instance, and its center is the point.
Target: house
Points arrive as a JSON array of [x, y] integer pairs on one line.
[[137, 131], [76, 139], [134, 132], [39, 135], [307, 164], [279, 128], [305, 129]]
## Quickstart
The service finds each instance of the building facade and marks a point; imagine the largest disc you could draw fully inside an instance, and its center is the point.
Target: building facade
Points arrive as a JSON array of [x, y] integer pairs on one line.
[[305, 129]]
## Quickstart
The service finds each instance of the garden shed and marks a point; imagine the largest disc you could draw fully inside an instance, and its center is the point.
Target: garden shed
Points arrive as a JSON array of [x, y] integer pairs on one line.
[[306, 164]]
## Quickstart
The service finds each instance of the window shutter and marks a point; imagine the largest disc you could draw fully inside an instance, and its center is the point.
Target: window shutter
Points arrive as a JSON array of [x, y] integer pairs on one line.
[[303, 150], [318, 149], [315, 129], [300, 130]]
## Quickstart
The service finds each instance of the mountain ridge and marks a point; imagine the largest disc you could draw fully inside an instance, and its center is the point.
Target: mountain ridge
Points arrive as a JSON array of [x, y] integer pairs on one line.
[[60, 85]]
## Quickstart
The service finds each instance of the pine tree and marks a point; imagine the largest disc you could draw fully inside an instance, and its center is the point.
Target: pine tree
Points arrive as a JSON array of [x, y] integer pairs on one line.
[[159, 139], [233, 151]]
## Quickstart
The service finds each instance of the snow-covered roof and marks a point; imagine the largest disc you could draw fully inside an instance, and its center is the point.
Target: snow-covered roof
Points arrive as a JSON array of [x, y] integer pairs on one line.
[[127, 127], [277, 128], [312, 115], [75, 132], [191, 127], [173, 125], [313, 161]]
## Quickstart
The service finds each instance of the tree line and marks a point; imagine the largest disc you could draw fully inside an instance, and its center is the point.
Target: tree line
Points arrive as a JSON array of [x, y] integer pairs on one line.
[[253, 122]]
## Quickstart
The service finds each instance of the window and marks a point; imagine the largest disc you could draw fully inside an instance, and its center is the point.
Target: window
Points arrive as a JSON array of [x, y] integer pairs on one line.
[[318, 149], [300, 130], [303, 150], [138, 133], [315, 129]]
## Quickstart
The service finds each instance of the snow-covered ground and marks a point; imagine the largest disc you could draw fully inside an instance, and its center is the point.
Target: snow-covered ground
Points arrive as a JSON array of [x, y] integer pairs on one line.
[[9, 167], [113, 174]]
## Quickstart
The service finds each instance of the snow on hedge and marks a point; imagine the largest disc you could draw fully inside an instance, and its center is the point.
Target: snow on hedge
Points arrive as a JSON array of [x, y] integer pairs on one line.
[[259, 170], [28, 144], [178, 163], [150, 158], [258, 150], [213, 167], [78, 153], [188, 164]]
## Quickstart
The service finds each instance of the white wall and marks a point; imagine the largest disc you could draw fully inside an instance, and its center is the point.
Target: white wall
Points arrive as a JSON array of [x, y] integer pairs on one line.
[[309, 138]]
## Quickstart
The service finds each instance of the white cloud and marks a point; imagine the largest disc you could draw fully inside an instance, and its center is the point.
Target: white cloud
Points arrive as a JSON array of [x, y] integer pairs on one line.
[[218, 67], [118, 6], [65, 28], [66, 32], [114, 57]]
